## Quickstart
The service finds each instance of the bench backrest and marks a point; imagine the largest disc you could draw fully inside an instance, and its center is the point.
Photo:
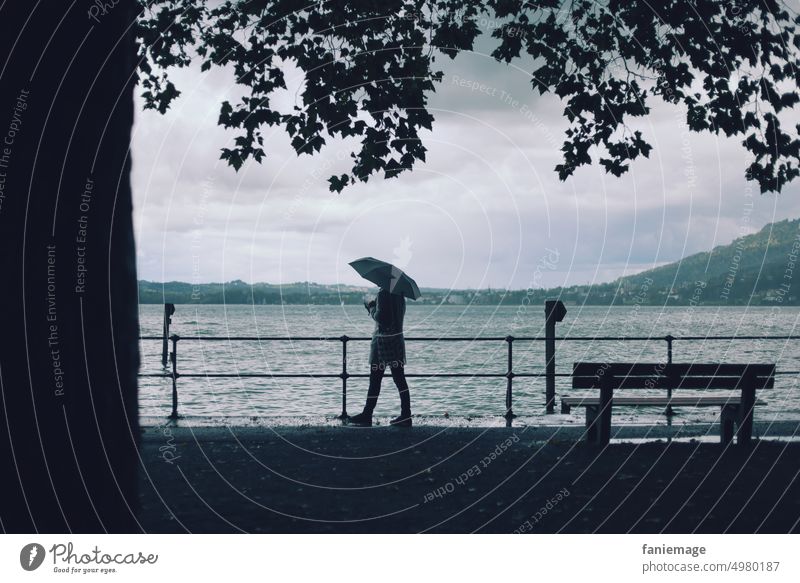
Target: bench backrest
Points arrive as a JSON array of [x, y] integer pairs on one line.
[[589, 375]]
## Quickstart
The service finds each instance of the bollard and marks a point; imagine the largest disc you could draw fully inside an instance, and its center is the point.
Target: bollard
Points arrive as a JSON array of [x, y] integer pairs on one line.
[[174, 358], [669, 338], [169, 309], [344, 376], [554, 311], [509, 414]]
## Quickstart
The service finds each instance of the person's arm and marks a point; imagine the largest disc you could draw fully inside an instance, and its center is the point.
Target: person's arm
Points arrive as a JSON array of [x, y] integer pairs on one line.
[[381, 311]]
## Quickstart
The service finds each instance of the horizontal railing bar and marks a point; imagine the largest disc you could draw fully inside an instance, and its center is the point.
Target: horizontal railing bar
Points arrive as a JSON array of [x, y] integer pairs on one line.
[[337, 376], [468, 338], [168, 375], [339, 338], [663, 338], [790, 337]]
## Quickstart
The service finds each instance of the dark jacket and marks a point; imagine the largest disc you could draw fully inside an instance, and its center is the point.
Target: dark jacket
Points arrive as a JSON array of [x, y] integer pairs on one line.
[[388, 312], [388, 347]]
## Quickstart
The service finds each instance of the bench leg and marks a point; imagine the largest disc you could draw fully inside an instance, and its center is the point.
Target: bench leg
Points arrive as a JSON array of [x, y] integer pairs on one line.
[[591, 424], [748, 403], [727, 423], [604, 415], [565, 408]]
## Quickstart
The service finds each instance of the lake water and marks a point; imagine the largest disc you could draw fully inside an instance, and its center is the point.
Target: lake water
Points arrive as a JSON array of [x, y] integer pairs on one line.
[[436, 397]]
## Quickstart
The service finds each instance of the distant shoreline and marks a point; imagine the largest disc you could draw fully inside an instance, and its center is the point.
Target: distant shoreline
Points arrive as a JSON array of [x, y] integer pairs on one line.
[[754, 270]]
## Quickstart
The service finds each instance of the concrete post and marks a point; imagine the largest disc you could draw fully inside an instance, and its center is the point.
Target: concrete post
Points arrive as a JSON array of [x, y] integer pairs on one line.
[[554, 311]]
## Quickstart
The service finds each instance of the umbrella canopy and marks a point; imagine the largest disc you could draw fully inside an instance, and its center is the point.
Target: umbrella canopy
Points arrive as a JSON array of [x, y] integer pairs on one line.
[[386, 276]]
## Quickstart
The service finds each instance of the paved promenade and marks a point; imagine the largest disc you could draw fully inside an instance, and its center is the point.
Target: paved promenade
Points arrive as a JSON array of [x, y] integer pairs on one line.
[[463, 479]]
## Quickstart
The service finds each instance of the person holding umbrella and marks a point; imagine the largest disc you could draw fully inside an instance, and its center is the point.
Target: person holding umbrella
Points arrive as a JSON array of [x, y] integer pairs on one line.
[[388, 348]]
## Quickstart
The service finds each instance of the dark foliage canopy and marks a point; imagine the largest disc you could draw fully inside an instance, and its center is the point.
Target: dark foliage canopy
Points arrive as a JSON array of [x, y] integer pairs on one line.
[[369, 66]]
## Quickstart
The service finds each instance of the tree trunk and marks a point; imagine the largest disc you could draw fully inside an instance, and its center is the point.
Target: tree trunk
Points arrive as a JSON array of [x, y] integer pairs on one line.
[[69, 319]]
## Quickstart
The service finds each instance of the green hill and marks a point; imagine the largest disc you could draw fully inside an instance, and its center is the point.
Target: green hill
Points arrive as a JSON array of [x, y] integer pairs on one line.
[[757, 268]]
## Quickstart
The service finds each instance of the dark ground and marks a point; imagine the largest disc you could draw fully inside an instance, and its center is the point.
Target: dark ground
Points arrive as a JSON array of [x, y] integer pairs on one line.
[[344, 479]]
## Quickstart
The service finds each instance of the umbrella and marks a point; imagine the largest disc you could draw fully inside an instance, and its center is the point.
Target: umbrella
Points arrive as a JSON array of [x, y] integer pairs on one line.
[[386, 276]]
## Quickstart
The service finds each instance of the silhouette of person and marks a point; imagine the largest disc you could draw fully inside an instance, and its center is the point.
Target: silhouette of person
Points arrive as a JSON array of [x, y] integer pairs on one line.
[[388, 349]]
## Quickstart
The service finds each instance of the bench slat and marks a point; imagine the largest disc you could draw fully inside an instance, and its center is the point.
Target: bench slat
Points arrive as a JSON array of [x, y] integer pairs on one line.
[[658, 401], [662, 368], [650, 382]]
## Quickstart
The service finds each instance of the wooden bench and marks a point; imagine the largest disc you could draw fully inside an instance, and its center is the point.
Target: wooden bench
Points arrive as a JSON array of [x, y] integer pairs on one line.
[[608, 377]]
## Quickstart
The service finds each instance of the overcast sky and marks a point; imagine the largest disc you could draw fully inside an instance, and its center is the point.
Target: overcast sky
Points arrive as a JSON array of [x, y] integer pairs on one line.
[[486, 209]]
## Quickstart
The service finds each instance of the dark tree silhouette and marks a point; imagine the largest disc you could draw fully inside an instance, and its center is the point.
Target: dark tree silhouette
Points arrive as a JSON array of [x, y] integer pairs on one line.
[[69, 357], [370, 64]]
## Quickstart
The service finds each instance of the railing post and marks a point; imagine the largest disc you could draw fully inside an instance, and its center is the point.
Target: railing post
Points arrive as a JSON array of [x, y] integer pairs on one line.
[[344, 376], [510, 376], [169, 309], [554, 311], [174, 359], [669, 338]]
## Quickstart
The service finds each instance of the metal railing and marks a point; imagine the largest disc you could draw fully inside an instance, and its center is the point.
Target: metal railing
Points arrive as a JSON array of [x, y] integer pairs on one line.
[[509, 374]]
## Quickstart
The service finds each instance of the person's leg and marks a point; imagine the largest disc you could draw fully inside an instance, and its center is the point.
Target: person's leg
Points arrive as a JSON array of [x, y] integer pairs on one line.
[[399, 377], [375, 377], [364, 418]]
